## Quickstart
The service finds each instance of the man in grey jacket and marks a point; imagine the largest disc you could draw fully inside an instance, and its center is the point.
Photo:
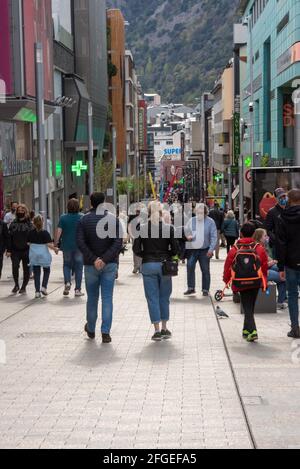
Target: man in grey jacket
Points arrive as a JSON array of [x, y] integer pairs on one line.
[[202, 233]]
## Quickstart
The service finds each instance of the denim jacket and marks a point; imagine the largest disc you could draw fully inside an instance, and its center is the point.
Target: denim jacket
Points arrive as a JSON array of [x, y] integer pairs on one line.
[[39, 255]]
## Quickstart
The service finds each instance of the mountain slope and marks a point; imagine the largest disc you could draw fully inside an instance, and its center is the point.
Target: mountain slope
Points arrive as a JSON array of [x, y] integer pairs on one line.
[[179, 46]]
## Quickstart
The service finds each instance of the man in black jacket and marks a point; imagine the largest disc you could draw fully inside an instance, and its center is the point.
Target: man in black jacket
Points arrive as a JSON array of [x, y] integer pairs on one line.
[[273, 215], [288, 251], [100, 239], [3, 242]]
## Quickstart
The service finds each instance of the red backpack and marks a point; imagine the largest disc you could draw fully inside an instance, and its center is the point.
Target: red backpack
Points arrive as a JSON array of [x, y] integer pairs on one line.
[[246, 271]]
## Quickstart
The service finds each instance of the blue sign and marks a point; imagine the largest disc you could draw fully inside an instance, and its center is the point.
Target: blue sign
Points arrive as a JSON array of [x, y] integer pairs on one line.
[[172, 151]]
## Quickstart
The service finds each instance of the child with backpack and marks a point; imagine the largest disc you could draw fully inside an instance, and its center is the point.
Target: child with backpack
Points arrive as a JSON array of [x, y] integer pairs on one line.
[[246, 269]]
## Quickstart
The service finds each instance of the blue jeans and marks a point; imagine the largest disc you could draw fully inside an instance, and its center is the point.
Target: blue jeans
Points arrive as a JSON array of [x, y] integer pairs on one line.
[[293, 284], [96, 280], [273, 276], [73, 260], [200, 256], [158, 290]]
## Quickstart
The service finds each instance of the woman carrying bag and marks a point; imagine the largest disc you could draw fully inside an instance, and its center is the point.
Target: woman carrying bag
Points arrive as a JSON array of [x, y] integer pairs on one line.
[[157, 246]]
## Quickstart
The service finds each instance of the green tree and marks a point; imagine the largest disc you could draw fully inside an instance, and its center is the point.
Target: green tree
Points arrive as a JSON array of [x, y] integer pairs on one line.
[[103, 174]]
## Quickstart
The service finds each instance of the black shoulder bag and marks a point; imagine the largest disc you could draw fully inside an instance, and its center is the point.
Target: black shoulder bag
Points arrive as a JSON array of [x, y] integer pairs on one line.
[[170, 268]]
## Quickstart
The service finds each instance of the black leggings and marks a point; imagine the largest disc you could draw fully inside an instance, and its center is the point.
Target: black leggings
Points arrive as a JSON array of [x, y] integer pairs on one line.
[[37, 277], [248, 301], [17, 257], [1, 263], [230, 242]]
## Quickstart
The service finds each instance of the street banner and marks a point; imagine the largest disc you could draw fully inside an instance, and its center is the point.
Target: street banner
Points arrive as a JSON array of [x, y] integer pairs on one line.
[[152, 186]]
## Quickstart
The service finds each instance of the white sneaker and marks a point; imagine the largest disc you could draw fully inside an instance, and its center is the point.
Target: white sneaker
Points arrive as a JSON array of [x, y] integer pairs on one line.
[[282, 306], [44, 292], [78, 293], [38, 295]]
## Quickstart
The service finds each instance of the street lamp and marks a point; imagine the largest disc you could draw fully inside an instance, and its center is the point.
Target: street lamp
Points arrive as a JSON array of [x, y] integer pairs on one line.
[[248, 22], [40, 111], [91, 148]]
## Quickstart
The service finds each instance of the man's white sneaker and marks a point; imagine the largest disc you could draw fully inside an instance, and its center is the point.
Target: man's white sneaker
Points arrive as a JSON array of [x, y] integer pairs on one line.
[[44, 292], [282, 306], [38, 295], [78, 293]]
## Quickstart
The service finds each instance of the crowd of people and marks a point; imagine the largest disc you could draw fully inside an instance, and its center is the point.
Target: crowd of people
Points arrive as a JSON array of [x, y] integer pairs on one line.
[[257, 253]]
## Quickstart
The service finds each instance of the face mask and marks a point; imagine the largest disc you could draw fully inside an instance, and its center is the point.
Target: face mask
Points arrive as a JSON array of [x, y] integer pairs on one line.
[[20, 215], [283, 202]]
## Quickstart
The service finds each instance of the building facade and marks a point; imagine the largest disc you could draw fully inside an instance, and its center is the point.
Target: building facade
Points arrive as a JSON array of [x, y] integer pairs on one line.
[[88, 88], [273, 74], [116, 48], [22, 24], [132, 115], [73, 34], [223, 111]]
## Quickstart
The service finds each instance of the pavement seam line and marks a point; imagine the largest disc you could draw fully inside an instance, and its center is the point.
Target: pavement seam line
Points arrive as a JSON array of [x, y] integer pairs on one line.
[[249, 428], [31, 303]]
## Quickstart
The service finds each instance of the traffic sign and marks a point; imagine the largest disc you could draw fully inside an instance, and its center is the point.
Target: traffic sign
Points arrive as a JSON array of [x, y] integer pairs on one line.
[[248, 176]]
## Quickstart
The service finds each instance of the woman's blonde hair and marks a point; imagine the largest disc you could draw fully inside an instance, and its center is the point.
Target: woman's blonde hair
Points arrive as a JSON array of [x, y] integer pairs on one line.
[[38, 222], [155, 212], [230, 215], [259, 233]]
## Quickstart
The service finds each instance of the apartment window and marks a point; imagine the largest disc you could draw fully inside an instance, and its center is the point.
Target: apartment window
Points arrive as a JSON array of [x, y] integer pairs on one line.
[[285, 20]]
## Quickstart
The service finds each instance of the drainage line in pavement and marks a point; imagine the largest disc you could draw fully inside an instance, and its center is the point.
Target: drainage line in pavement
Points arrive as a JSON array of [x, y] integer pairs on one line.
[[252, 437], [32, 302]]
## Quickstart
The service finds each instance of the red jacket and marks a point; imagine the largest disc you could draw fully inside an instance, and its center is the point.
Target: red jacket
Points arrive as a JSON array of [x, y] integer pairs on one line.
[[262, 253]]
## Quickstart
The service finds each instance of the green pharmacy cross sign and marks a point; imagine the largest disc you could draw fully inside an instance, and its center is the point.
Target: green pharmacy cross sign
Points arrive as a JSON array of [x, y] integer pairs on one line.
[[79, 167], [248, 161], [219, 177]]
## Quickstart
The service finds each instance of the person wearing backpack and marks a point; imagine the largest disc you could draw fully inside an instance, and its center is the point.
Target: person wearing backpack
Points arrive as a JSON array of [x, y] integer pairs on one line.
[[246, 269]]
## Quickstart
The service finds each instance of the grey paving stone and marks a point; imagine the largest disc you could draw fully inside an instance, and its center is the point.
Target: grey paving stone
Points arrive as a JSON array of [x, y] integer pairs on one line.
[[63, 391]]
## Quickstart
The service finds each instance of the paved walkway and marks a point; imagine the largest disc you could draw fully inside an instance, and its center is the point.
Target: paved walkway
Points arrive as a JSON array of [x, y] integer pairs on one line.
[[59, 390], [268, 375]]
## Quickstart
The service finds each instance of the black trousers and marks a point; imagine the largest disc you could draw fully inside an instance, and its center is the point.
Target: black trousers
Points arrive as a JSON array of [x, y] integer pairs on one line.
[[248, 301], [37, 277], [1, 263], [230, 242], [17, 257]]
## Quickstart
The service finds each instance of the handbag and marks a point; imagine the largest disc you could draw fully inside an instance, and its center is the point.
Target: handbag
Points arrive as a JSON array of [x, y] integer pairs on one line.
[[170, 268]]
